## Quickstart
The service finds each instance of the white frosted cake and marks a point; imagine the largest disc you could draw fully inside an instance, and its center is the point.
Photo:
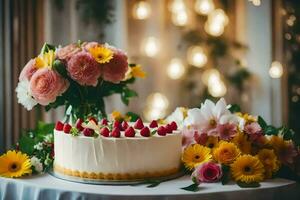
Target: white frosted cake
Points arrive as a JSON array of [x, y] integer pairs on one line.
[[126, 153]]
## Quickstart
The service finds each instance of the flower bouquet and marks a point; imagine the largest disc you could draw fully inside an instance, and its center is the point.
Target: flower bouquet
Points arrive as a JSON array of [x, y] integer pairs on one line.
[[222, 144], [78, 75]]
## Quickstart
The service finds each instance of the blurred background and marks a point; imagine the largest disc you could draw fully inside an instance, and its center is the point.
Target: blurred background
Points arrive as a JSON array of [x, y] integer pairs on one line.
[[244, 50]]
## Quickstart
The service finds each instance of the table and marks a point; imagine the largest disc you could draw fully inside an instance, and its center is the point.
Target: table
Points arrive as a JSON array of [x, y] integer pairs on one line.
[[46, 187]]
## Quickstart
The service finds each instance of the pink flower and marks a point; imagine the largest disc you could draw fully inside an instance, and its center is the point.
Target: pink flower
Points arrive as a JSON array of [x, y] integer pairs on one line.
[[67, 52], [27, 72], [115, 70], [253, 130], [226, 131], [83, 68], [188, 137], [287, 153], [46, 85], [208, 172], [88, 45]]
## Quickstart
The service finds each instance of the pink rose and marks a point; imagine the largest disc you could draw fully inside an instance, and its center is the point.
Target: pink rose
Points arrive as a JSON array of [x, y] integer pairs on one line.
[[84, 69], [67, 52], [46, 85], [115, 70], [226, 131], [29, 69], [254, 131], [88, 45], [208, 172]]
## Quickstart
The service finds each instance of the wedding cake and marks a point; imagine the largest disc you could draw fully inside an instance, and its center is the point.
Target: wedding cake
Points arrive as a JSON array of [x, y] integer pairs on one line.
[[117, 151]]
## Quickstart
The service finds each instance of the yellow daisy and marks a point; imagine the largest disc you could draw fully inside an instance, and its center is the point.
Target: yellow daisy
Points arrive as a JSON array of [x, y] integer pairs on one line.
[[226, 152], [14, 164], [241, 141], [212, 142], [247, 169], [137, 71], [195, 155], [269, 160], [101, 54]]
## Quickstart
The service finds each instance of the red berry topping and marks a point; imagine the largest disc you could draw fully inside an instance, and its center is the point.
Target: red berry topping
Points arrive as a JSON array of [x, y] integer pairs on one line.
[[93, 119], [78, 124], [59, 126], [124, 125], [173, 126], [104, 132], [145, 132], [104, 122], [116, 133], [88, 132], [161, 131], [67, 128], [129, 132], [139, 124], [168, 128], [153, 124], [117, 124]]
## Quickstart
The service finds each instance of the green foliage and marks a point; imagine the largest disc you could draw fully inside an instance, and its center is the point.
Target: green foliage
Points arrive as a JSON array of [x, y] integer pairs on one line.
[[133, 116], [226, 174], [234, 108], [192, 188], [47, 47], [248, 185]]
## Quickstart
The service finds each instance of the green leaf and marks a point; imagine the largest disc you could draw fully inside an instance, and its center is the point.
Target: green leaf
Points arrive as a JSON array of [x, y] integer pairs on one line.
[[262, 122], [192, 188], [154, 183], [234, 108], [133, 116], [74, 131], [226, 174], [248, 185], [153, 132], [26, 144], [270, 130], [47, 47], [127, 94], [60, 68]]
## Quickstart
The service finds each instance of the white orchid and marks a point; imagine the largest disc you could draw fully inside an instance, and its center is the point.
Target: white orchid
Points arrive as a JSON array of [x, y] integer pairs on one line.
[[209, 116], [177, 116]]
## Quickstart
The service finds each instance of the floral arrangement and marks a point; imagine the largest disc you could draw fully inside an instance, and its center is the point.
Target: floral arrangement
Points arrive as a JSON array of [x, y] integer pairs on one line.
[[77, 75], [221, 144]]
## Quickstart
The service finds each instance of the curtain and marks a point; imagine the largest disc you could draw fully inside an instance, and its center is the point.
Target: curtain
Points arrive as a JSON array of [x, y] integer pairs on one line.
[[21, 38]]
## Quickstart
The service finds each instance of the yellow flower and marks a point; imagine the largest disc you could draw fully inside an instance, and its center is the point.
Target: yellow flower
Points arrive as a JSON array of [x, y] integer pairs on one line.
[[117, 116], [195, 155], [101, 54], [137, 71], [247, 169], [241, 141], [14, 164], [45, 60], [226, 152], [212, 142], [269, 160], [248, 118]]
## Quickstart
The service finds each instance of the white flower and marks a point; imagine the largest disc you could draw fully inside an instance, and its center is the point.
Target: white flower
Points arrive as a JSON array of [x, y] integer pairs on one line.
[[209, 116], [36, 163], [177, 116], [38, 146], [24, 95], [48, 138]]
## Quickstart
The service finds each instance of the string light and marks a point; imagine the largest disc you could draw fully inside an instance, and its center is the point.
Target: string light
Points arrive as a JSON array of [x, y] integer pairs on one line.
[[210, 75], [157, 105], [216, 22], [217, 88], [175, 69], [177, 6], [196, 56], [141, 10], [180, 18], [204, 7], [150, 46], [276, 70]]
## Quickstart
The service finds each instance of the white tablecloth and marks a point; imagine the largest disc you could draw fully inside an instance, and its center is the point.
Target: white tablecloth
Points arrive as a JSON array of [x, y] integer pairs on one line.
[[46, 187]]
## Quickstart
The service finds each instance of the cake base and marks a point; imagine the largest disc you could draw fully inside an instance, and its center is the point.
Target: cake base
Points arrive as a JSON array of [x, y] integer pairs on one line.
[[79, 179]]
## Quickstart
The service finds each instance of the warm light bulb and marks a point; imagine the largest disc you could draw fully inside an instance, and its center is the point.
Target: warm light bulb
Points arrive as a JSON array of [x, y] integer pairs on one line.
[[177, 6], [256, 2], [141, 10], [196, 56], [276, 70], [157, 101], [180, 18], [204, 7], [217, 88], [214, 28], [150, 46], [218, 16], [175, 69], [153, 114], [210, 75]]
